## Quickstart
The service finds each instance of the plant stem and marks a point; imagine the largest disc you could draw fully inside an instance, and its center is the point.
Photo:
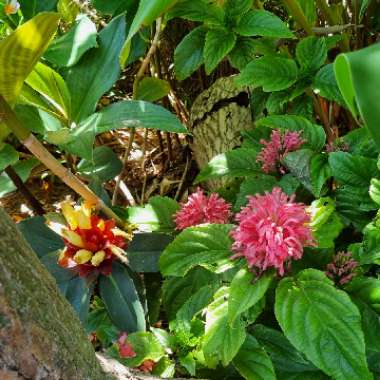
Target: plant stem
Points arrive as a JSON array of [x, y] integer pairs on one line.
[[296, 11], [39, 151], [139, 76]]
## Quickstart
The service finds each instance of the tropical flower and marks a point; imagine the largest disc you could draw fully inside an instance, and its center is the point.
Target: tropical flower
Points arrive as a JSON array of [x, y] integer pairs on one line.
[[274, 150], [272, 231], [343, 268], [125, 349], [91, 243], [11, 7], [201, 209], [147, 366]]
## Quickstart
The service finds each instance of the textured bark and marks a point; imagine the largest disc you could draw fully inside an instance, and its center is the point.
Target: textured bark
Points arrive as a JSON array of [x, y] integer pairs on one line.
[[40, 336]]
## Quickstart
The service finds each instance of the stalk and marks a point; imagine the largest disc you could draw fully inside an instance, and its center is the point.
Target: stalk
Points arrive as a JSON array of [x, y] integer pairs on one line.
[[296, 11]]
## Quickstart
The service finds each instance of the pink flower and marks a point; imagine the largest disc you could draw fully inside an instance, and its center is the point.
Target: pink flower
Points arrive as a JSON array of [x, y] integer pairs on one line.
[[276, 148], [125, 349], [343, 268], [201, 209], [272, 231]]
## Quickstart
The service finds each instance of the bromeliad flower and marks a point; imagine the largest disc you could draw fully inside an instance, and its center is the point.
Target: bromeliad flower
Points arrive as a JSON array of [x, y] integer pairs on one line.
[[201, 209], [276, 148], [91, 243], [11, 7], [272, 231]]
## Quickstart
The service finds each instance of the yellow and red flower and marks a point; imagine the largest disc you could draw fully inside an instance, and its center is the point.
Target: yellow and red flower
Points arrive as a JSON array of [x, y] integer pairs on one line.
[[91, 243]]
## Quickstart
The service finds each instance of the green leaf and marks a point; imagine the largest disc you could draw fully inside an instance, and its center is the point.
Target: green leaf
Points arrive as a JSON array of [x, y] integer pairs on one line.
[[352, 170], [218, 44], [326, 85], [147, 12], [322, 322], [197, 10], [313, 134], [146, 347], [152, 89], [262, 23], [374, 190], [298, 163], [236, 163], [40, 237], [8, 156], [139, 114], [157, 215], [68, 10], [272, 73], [23, 169], [145, 250], [21, 50], [122, 301], [105, 164], [31, 8], [66, 50], [165, 368], [51, 86], [109, 7], [98, 70], [252, 361], [309, 9], [61, 275], [357, 74], [361, 143], [311, 53], [188, 55], [245, 291], [284, 355], [236, 9], [320, 172], [208, 246], [222, 340], [243, 52]]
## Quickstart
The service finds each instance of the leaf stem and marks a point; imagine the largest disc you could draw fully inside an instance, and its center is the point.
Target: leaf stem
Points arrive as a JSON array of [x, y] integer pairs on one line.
[[296, 11]]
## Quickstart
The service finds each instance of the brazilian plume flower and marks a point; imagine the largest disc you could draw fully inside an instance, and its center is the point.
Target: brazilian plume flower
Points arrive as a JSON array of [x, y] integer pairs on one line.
[[201, 209], [274, 150], [343, 268], [272, 231], [91, 243]]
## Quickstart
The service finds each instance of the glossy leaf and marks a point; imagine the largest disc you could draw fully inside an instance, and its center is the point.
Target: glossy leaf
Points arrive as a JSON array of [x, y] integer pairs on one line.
[[152, 89], [262, 23], [272, 73], [122, 301], [98, 70], [21, 50], [66, 50], [208, 246], [314, 314]]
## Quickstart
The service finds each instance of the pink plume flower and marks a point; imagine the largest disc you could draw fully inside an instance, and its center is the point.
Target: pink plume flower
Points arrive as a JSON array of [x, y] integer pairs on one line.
[[272, 231], [343, 268], [201, 209], [276, 148]]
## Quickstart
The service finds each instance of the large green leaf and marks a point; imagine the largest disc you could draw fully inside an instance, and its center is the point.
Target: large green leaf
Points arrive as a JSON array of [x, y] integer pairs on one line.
[[235, 9], [188, 55], [252, 361], [245, 291], [66, 50], [31, 8], [262, 23], [236, 163], [208, 246], [51, 86], [21, 50], [326, 85], [243, 53], [272, 73], [152, 89], [121, 298], [322, 322], [219, 42], [311, 53], [97, 70], [198, 10], [357, 74], [320, 172], [137, 113], [222, 340], [8, 156]]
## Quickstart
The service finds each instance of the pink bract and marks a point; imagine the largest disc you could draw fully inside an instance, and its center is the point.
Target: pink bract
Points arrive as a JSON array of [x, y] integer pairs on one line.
[[201, 209], [276, 148], [272, 231]]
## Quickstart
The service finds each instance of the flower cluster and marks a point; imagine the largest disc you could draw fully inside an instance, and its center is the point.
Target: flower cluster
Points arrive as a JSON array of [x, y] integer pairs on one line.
[[11, 7], [343, 268], [272, 231], [91, 243], [276, 148], [201, 209]]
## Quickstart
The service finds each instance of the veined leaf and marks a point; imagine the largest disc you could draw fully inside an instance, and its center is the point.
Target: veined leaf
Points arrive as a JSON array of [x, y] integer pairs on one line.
[[262, 23], [272, 73], [197, 10], [322, 322], [151, 89], [208, 246], [21, 50], [311, 53], [243, 52]]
